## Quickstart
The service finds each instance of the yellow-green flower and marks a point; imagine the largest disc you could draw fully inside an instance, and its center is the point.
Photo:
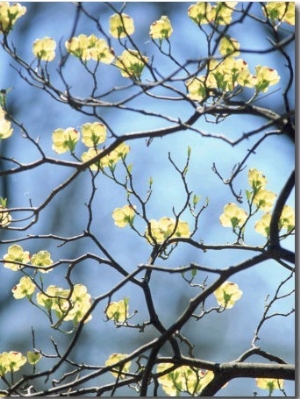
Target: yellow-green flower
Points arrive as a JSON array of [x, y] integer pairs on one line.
[[265, 77], [227, 294], [93, 134], [221, 14], [124, 216], [9, 15], [42, 259], [16, 253], [5, 217], [256, 179], [44, 49], [90, 154], [161, 29], [5, 126], [262, 226], [25, 288], [264, 200], [281, 11], [118, 311], [10, 362], [131, 63], [183, 379], [90, 47], [200, 12], [33, 357], [165, 228], [121, 25], [229, 46], [269, 383], [64, 140], [116, 155], [233, 216], [67, 304], [287, 218], [116, 358]]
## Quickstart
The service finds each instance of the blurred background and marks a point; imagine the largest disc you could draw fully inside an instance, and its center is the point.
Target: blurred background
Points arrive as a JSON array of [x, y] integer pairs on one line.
[[217, 337]]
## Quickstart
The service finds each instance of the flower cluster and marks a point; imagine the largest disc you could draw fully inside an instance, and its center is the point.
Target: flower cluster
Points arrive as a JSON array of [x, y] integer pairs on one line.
[[161, 29], [204, 13], [116, 358], [44, 49], [165, 228], [131, 63], [11, 361], [5, 125], [90, 47], [121, 25], [124, 216], [280, 11], [230, 73], [93, 134], [227, 294], [9, 15], [118, 311], [19, 257], [183, 379], [269, 383], [264, 200], [68, 304], [5, 217]]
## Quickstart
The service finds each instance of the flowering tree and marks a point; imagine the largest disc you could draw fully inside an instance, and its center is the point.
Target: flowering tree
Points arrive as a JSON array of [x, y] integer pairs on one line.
[[141, 269]]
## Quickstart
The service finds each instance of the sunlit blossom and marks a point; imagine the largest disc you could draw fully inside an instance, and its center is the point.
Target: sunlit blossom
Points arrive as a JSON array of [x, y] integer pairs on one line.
[[262, 226], [124, 216], [227, 294], [42, 259], [116, 358], [5, 125], [131, 63], [9, 13], [118, 311], [270, 384], [280, 11], [44, 49], [121, 25], [25, 288], [165, 228], [93, 134], [161, 29], [11, 361], [64, 140], [15, 253], [233, 216], [183, 379]]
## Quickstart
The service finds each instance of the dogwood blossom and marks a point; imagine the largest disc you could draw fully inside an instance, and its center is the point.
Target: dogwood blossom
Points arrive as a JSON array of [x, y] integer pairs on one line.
[[15, 253], [11, 361], [118, 311], [183, 379], [5, 125], [93, 134], [233, 216], [25, 288], [64, 140], [44, 49], [116, 358], [161, 29], [9, 13], [227, 294], [124, 216], [121, 25], [131, 63]]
